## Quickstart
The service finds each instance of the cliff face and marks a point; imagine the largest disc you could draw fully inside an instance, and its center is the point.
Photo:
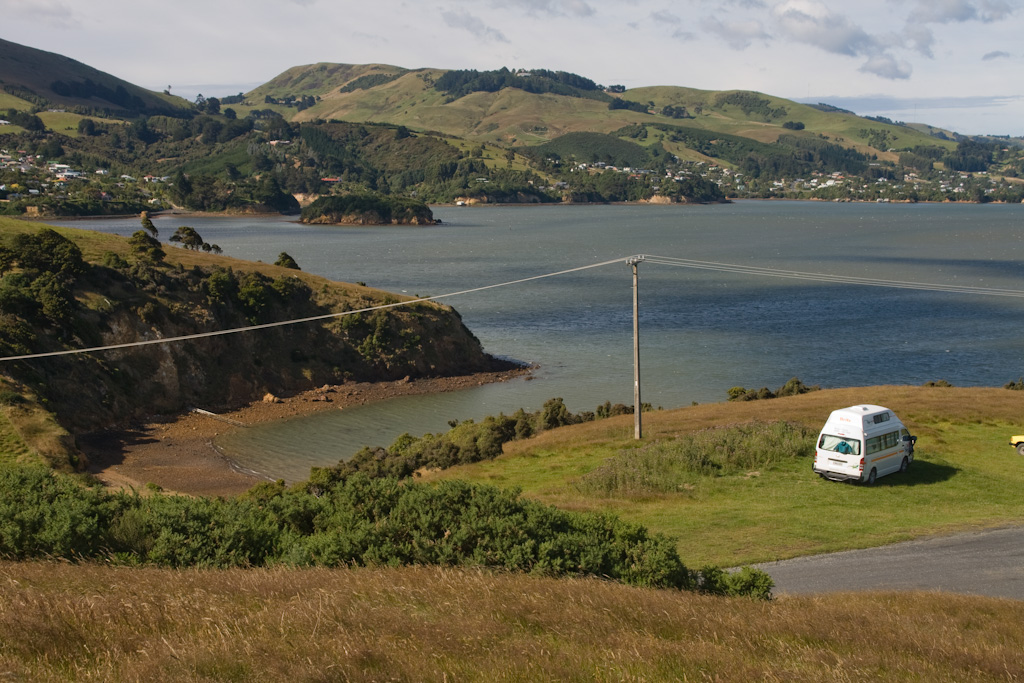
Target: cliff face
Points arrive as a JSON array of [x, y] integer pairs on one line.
[[121, 302]]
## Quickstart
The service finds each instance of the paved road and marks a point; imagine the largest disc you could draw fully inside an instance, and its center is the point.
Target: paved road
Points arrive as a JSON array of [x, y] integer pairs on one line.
[[980, 563]]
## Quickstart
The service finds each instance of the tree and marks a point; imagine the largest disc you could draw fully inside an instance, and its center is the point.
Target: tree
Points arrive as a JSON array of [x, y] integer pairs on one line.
[[147, 224], [188, 238], [146, 247], [286, 261]]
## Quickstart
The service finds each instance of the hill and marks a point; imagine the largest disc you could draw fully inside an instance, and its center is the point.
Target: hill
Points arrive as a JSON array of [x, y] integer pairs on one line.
[[447, 136], [511, 115], [67, 289], [36, 78]]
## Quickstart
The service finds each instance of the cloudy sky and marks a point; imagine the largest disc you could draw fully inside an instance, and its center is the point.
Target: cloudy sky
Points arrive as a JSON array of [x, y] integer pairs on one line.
[[958, 64]]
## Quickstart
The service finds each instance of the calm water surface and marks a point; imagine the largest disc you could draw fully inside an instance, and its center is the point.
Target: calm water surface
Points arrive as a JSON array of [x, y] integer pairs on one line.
[[702, 332]]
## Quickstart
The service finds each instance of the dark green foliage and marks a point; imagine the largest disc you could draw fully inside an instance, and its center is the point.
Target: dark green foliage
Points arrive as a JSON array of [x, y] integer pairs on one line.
[[146, 248], [970, 156], [620, 103], [798, 155], [368, 208], [87, 89], [26, 120], [1015, 386], [147, 224], [47, 251], [676, 112], [878, 138], [461, 82], [285, 260], [44, 514], [187, 237], [745, 582], [360, 521], [793, 125], [369, 81], [751, 104], [465, 442], [791, 388], [41, 293]]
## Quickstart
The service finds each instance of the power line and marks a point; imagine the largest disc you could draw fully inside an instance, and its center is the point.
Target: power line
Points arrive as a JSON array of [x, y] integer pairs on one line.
[[662, 260], [825, 277], [296, 321]]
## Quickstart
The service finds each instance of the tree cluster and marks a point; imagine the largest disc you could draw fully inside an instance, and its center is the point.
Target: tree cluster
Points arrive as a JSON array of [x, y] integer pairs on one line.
[[461, 82]]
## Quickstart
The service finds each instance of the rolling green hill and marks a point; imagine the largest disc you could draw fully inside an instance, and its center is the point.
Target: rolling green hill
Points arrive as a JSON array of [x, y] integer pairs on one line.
[[512, 116], [460, 136], [31, 77]]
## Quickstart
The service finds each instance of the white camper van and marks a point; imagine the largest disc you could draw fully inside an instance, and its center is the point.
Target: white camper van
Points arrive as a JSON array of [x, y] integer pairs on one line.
[[862, 443]]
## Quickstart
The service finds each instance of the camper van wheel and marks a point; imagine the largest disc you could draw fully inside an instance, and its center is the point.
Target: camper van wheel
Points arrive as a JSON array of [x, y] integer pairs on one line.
[[905, 464], [1020, 448], [872, 475]]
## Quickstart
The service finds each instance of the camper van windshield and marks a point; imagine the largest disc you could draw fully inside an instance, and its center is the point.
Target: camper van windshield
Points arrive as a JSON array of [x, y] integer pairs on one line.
[[839, 444]]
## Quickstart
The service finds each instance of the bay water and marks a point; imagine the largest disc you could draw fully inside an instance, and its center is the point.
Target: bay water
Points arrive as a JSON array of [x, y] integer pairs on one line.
[[701, 332]]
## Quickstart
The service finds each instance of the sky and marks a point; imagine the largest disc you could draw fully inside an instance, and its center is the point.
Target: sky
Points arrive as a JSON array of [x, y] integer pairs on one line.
[[955, 64]]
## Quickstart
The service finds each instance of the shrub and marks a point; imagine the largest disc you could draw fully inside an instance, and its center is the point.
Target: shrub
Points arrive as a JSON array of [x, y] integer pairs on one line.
[[358, 521], [791, 388]]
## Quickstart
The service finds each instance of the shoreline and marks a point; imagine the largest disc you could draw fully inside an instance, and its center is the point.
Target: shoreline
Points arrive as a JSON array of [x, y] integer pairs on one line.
[[177, 454]]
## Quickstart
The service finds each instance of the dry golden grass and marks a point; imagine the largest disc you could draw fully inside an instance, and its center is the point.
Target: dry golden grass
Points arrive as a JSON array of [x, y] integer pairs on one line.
[[90, 622]]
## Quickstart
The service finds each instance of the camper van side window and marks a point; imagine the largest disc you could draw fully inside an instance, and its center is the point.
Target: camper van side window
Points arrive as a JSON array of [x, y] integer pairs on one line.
[[878, 443], [881, 417]]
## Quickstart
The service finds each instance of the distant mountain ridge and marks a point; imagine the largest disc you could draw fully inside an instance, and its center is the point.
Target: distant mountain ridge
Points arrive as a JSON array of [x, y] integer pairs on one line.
[[48, 79], [460, 135], [514, 116]]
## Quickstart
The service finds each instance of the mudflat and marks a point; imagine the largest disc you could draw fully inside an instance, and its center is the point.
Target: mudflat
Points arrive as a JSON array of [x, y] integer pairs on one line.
[[177, 453]]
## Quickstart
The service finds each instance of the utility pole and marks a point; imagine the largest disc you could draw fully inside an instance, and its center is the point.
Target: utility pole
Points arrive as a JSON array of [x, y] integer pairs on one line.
[[633, 261]]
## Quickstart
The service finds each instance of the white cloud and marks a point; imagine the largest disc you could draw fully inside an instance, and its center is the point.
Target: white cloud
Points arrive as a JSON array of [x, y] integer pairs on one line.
[[575, 8], [48, 12], [957, 11], [815, 24], [920, 38], [474, 25], [887, 66], [739, 35]]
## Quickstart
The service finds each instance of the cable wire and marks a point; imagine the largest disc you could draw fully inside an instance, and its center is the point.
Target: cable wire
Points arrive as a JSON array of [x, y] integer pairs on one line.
[[640, 258], [295, 321]]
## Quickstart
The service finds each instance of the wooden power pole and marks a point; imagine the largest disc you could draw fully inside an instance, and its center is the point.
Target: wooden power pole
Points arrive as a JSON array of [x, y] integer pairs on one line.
[[633, 261]]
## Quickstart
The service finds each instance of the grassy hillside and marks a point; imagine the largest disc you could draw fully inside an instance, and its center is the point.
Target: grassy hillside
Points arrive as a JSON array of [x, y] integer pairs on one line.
[[964, 475], [100, 623], [49, 79], [121, 295], [512, 116]]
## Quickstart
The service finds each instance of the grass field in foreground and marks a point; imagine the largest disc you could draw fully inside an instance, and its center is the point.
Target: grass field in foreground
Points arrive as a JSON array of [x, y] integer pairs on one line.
[[100, 623], [965, 476]]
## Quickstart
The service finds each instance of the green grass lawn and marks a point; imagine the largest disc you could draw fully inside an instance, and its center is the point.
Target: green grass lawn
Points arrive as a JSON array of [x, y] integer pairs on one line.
[[965, 475]]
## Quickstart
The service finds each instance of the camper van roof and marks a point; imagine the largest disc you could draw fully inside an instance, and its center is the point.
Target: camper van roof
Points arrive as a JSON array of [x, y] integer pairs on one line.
[[866, 408]]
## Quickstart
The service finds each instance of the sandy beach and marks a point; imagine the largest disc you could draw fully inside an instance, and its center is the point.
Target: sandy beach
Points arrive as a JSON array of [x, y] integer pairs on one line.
[[177, 452]]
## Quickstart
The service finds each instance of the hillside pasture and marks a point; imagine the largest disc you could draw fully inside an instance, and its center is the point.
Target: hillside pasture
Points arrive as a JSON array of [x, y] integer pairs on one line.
[[964, 476]]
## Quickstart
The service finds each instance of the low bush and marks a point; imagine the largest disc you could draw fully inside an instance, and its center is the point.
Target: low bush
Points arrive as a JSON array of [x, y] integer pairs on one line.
[[358, 521]]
